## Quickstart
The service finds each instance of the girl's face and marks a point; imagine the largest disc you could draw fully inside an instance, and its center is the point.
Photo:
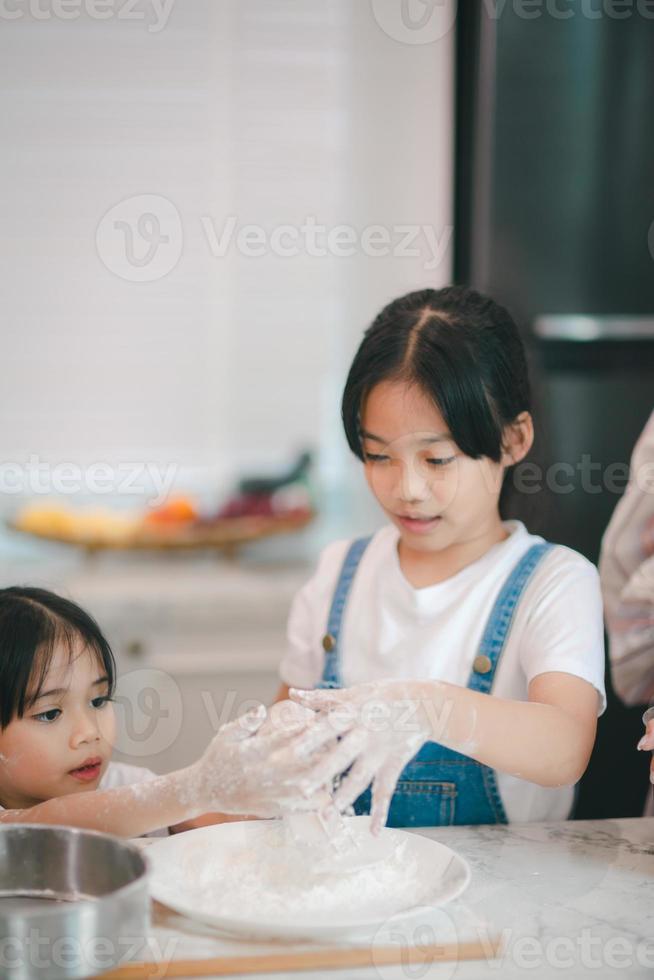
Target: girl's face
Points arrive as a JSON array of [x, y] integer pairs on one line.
[[435, 495], [70, 726]]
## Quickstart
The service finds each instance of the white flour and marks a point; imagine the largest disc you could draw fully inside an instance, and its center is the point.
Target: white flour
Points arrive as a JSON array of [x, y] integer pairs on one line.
[[272, 879]]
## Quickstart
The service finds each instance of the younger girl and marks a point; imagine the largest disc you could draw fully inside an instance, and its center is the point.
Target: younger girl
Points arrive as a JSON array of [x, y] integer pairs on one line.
[[492, 636], [57, 730]]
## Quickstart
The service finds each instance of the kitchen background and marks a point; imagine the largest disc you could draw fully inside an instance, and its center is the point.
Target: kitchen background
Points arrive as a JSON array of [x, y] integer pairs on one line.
[[204, 204]]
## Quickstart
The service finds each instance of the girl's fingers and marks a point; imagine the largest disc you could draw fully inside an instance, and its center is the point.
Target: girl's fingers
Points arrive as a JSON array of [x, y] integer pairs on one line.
[[383, 788], [297, 802], [355, 783], [321, 699], [379, 811], [337, 761], [303, 768], [279, 738], [321, 732]]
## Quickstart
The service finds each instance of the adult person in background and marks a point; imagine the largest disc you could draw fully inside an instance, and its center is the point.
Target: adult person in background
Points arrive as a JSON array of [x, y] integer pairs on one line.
[[627, 574]]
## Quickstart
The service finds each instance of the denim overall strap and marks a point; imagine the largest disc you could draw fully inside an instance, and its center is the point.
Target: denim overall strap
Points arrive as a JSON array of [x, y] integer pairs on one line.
[[331, 676], [500, 620], [481, 802], [440, 786]]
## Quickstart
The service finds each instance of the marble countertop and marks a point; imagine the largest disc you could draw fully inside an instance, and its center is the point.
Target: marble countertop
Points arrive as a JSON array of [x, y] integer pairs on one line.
[[572, 898]]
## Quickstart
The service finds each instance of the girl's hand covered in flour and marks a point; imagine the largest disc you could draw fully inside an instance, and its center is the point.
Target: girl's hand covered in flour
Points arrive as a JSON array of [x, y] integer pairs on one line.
[[382, 727], [261, 766]]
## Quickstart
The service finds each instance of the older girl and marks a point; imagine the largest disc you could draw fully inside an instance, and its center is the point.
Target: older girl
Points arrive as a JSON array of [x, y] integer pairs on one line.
[[469, 650]]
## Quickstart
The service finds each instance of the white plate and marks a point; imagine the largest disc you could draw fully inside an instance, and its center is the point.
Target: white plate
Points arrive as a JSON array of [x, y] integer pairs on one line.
[[227, 875]]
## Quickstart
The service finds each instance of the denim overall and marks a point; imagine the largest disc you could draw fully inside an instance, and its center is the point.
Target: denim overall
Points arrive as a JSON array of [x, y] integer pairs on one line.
[[439, 786]]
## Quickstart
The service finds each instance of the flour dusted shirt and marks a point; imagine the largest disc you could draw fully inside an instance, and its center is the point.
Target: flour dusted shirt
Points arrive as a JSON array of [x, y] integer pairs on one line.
[[393, 630]]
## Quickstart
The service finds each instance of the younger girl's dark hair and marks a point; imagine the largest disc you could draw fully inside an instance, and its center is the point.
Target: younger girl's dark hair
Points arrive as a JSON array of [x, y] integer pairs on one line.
[[32, 623], [461, 348]]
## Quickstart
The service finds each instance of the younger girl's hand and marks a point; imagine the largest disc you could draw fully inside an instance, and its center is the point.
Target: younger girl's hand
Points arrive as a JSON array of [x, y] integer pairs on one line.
[[261, 771], [382, 727]]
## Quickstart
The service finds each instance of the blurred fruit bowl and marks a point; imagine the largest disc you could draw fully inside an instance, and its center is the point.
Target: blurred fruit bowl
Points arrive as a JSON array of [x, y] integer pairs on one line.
[[175, 525]]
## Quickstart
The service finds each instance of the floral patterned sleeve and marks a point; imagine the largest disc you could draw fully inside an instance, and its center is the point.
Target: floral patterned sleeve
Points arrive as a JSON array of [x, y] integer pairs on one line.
[[627, 573]]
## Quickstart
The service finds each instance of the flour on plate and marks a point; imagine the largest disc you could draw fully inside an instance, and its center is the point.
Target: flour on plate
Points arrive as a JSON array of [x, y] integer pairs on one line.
[[273, 877]]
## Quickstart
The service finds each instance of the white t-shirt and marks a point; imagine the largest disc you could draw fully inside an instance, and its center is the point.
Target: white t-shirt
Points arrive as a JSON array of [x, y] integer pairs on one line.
[[391, 629]]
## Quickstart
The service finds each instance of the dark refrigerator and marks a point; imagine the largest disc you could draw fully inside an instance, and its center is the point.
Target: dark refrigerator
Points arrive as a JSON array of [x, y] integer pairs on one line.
[[555, 219]]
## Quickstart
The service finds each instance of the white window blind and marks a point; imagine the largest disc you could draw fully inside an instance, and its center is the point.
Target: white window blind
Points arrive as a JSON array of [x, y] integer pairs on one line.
[[266, 113]]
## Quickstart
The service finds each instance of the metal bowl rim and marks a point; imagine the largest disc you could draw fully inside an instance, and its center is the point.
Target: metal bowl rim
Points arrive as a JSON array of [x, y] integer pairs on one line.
[[93, 902]]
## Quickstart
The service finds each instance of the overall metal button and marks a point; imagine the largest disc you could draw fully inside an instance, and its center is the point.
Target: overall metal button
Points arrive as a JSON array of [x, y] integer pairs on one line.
[[482, 664], [328, 642]]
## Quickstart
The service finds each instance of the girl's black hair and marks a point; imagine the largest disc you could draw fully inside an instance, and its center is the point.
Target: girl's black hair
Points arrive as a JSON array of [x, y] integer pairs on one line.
[[461, 348], [32, 623]]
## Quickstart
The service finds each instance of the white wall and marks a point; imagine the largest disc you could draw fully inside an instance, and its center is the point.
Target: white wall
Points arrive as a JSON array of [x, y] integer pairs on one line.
[[269, 111]]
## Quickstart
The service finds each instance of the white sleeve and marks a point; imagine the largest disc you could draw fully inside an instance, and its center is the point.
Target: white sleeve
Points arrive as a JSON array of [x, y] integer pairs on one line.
[[123, 774], [302, 664], [565, 628]]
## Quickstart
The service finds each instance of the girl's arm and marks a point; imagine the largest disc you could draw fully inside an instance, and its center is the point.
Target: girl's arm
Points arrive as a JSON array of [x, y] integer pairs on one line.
[[128, 811], [241, 771], [546, 740]]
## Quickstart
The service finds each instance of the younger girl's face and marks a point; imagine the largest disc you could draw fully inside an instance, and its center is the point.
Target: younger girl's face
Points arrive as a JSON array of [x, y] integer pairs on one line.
[[434, 494], [63, 742]]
